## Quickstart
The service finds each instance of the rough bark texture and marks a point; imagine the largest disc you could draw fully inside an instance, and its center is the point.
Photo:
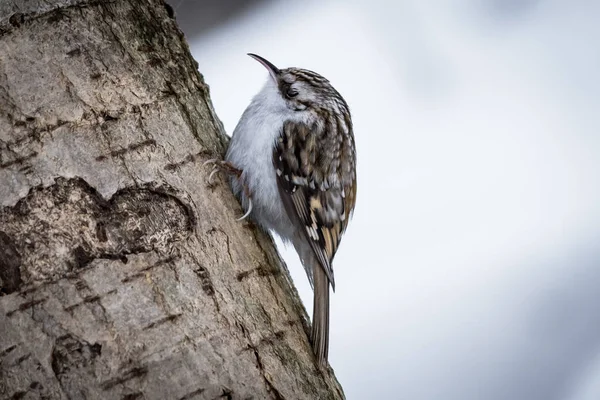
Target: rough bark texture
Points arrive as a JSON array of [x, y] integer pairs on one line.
[[122, 275]]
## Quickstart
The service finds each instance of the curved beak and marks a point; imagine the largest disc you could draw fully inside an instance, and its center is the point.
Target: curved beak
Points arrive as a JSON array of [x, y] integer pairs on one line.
[[273, 70]]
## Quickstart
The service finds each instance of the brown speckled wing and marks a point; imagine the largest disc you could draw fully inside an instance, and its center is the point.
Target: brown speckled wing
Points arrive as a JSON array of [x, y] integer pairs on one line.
[[316, 176]]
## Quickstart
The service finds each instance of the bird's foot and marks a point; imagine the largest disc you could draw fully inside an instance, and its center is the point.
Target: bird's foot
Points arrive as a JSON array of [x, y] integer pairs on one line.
[[221, 166], [229, 169]]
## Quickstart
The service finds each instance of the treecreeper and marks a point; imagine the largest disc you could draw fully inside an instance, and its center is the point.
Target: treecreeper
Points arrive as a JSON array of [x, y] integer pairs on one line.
[[292, 162]]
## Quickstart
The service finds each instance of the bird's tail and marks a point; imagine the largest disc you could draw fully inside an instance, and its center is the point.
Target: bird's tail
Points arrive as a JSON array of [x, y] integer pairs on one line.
[[320, 322]]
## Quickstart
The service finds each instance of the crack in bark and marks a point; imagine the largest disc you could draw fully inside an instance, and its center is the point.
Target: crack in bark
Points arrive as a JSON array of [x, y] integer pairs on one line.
[[264, 374], [131, 147], [260, 271], [90, 299], [53, 14], [141, 273], [168, 318], [18, 160], [214, 230], [133, 396], [7, 350], [190, 158], [90, 117], [192, 394], [138, 372], [26, 306]]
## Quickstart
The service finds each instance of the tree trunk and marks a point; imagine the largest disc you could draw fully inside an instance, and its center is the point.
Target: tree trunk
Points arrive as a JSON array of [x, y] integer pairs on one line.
[[123, 275]]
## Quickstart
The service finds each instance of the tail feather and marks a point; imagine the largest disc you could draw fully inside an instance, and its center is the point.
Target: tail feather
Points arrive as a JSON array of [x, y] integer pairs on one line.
[[320, 322]]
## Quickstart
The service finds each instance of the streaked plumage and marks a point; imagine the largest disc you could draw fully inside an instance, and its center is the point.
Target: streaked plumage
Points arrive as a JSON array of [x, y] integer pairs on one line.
[[295, 147]]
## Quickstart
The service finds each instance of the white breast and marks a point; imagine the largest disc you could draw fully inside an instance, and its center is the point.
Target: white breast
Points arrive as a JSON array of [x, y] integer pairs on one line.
[[251, 150]]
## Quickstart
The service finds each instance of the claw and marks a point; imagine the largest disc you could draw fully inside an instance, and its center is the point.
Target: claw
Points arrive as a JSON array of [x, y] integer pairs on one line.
[[211, 161], [214, 170], [219, 165], [243, 217], [212, 174]]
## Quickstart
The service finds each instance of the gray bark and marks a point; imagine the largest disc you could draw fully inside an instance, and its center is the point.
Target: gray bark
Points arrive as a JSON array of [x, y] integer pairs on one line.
[[122, 275]]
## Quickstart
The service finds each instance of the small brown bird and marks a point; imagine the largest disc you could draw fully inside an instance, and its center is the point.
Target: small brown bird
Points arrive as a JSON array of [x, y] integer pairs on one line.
[[294, 152]]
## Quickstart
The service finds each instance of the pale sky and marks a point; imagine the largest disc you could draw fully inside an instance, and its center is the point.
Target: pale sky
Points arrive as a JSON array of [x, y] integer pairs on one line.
[[471, 269]]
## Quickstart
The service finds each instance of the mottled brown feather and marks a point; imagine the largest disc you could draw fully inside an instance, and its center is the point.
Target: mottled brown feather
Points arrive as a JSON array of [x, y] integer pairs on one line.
[[317, 181]]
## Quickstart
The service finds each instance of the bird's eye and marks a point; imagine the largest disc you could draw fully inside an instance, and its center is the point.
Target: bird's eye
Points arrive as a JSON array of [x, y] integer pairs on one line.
[[291, 93]]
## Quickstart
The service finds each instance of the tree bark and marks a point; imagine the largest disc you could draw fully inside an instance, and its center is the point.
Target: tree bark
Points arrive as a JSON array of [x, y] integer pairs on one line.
[[123, 275]]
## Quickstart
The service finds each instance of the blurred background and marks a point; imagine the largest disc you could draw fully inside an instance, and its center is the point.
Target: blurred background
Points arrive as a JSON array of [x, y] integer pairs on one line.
[[471, 269]]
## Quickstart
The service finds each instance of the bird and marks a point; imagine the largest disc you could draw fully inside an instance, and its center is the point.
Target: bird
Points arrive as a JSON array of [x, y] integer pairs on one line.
[[292, 161]]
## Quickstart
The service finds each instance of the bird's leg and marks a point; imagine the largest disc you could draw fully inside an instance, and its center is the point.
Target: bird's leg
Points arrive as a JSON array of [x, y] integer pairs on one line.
[[224, 166], [230, 169]]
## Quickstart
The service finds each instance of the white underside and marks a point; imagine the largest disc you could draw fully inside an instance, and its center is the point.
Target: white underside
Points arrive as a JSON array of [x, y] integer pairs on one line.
[[251, 150]]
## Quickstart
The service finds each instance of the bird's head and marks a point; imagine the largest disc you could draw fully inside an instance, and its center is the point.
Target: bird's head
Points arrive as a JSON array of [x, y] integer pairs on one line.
[[300, 89]]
